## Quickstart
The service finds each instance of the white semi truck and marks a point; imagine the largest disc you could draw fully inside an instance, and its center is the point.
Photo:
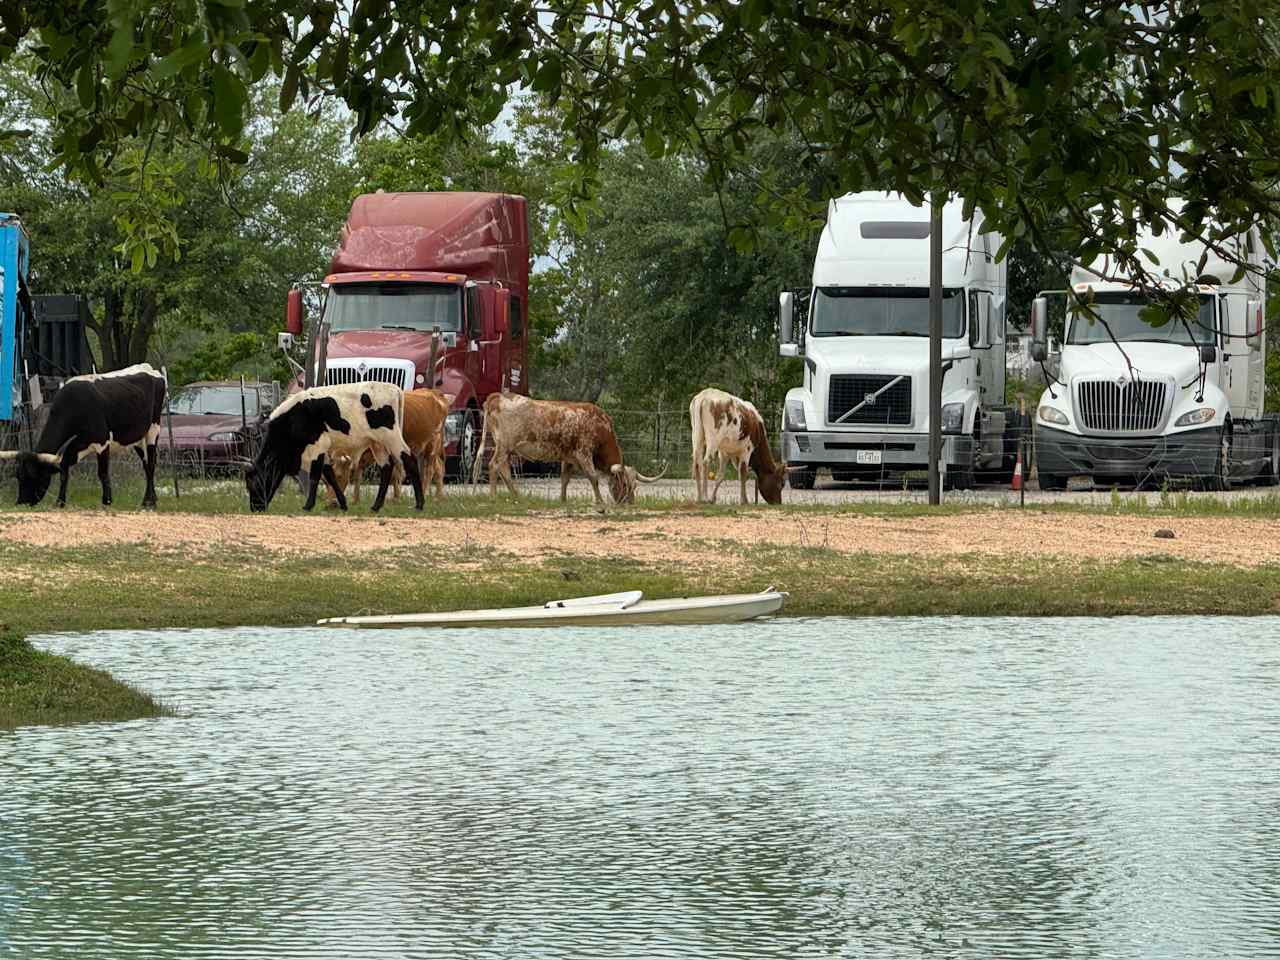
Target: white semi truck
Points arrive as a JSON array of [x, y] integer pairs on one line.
[[1134, 402], [863, 409]]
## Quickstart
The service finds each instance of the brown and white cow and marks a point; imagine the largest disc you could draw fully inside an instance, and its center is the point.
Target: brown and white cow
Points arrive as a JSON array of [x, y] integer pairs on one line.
[[423, 430], [579, 435], [727, 427]]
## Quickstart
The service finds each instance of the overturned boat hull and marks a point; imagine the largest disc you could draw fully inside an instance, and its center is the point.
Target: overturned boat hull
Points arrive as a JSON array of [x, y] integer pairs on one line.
[[610, 610]]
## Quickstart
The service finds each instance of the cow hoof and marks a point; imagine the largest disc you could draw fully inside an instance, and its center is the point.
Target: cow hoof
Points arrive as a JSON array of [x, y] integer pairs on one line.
[[148, 504], [61, 504]]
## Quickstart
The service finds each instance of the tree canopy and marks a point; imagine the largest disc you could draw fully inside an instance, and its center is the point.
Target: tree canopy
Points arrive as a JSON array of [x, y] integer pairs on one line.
[[1067, 123]]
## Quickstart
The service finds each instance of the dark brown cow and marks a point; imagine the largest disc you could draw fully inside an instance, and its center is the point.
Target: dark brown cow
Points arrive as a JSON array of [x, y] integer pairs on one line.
[[579, 435], [727, 427]]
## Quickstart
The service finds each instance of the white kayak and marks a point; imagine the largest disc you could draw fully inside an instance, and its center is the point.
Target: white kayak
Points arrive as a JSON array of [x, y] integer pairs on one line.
[[606, 610]]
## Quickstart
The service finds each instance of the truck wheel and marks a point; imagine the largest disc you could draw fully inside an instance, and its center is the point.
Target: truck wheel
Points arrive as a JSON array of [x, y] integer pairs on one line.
[[962, 476], [1270, 476], [468, 446], [1053, 481], [802, 478], [1220, 479]]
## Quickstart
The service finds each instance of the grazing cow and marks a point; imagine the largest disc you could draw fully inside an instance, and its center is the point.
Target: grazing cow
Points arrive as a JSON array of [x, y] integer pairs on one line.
[[423, 430], [314, 426], [727, 427], [579, 435], [91, 415]]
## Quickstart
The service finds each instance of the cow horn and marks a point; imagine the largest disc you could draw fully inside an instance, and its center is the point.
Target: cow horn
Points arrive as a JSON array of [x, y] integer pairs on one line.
[[55, 459], [616, 468], [654, 479]]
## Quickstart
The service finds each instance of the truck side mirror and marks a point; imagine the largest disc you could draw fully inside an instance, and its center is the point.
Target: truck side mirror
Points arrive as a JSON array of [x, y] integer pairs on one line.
[[1208, 353], [293, 312], [1039, 329], [1253, 324], [786, 317]]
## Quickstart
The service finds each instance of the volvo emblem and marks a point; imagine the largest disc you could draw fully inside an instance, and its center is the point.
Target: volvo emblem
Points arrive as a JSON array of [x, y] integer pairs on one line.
[[869, 398], [362, 368]]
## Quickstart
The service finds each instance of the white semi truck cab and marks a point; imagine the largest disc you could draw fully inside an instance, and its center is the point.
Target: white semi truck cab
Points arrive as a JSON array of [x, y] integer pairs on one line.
[[1180, 400], [862, 411]]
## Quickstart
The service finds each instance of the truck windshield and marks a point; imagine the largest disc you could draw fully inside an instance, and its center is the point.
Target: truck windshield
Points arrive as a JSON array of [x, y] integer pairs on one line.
[[883, 312], [393, 306], [223, 401], [1120, 311]]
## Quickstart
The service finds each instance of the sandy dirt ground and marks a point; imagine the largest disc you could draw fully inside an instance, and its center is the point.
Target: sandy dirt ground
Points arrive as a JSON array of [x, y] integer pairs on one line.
[[664, 538]]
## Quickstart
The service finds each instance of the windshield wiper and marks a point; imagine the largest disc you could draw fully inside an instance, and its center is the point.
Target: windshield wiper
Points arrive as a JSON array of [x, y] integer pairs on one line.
[[400, 326]]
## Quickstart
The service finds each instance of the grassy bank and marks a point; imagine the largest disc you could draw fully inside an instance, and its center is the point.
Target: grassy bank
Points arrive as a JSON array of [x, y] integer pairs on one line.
[[138, 586], [41, 688]]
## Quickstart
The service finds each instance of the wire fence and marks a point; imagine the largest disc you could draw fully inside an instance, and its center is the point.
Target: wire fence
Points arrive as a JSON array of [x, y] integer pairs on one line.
[[654, 439]]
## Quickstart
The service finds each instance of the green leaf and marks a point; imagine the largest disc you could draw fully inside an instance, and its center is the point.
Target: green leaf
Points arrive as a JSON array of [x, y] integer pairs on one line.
[[86, 84], [289, 89], [228, 100], [234, 154], [193, 52], [1154, 314]]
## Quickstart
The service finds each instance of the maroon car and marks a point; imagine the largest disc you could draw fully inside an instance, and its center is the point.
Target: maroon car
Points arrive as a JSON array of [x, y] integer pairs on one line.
[[215, 423]]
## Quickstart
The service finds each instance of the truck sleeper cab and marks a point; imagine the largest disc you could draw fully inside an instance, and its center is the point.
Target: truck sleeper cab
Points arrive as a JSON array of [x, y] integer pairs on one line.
[[862, 408], [1137, 403]]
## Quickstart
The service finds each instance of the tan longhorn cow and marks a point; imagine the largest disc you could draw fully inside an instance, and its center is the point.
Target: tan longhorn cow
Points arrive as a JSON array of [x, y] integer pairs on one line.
[[578, 435], [730, 428]]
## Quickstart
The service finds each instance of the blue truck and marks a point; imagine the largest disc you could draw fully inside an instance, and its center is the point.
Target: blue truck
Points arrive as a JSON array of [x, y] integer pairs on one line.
[[15, 316]]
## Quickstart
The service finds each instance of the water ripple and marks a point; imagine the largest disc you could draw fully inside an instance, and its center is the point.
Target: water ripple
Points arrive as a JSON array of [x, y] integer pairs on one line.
[[802, 788]]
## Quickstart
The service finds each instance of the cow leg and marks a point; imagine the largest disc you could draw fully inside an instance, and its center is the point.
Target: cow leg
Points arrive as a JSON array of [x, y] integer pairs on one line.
[[589, 471], [62, 483], [317, 471], [104, 475], [331, 478], [384, 482], [149, 468], [742, 478], [410, 463], [566, 471], [715, 492]]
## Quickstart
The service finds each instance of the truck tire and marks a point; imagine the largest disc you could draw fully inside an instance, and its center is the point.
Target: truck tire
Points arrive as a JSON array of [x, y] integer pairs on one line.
[[802, 478], [1220, 479], [1270, 475], [1053, 481], [962, 476]]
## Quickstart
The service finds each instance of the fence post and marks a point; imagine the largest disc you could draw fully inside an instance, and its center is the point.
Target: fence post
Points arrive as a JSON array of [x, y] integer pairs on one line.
[[168, 408]]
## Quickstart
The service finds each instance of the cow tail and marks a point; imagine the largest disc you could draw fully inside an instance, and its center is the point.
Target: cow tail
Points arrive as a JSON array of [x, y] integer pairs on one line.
[[484, 432]]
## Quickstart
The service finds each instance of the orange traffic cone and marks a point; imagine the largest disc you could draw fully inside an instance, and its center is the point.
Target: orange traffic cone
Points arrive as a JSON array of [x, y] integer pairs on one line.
[[1017, 471]]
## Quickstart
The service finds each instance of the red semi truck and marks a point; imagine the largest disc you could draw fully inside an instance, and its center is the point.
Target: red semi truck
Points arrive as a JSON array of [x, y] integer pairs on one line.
[[426, 290]]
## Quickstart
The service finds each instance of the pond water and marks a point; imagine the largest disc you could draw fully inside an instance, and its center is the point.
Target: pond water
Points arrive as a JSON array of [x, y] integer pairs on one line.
[[793, 788]]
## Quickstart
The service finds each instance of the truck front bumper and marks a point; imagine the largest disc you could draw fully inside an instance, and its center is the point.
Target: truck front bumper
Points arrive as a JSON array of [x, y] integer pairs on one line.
[[1190, 453], [899, 452]]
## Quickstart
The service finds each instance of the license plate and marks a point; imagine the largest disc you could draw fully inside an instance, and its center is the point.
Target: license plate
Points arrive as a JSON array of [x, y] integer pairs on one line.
[[868, 456]]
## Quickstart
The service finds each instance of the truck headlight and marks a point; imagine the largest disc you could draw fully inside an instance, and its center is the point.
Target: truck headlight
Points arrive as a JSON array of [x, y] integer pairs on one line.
[[228, 436], [795, 415], [1050, 414], [953, 418], [453, 425], [1203, 415]]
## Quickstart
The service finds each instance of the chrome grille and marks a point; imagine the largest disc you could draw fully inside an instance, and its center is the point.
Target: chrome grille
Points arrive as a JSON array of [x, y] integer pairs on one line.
[[891, 407], [396, 375], [1134, 407]]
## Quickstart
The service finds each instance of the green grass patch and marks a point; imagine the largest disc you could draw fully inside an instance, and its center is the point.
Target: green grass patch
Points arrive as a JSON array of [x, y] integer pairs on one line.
[[134, 586], [42, 688]]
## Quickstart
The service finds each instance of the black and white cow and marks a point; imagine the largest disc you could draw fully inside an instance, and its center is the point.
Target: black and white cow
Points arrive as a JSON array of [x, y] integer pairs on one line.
[[90, 415], [313, 426]]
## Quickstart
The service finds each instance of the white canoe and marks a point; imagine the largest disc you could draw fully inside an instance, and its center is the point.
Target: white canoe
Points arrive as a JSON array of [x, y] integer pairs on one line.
[[611, 610]]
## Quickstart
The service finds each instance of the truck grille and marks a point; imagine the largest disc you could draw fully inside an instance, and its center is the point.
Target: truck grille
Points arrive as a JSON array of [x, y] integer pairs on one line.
[[1137, 407], [891, 407], [396, 375]]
